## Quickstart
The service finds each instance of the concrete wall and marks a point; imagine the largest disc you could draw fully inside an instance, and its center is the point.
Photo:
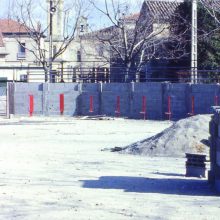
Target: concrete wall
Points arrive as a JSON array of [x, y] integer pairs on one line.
[[111, 93], [89, 91], [214, 128], [51, 98], [153, 92], [21, 96], [106, 99]]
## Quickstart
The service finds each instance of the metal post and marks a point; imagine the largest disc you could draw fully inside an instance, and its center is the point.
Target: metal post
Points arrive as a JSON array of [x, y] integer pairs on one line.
[[62, 80], [194, 54], [51, 11]]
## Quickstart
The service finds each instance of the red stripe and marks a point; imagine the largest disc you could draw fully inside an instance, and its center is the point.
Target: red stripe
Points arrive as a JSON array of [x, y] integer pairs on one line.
[[61, 103], [31, 105], [118, 106], [91, 104], [193, 105], [144, 106], [169, 108]]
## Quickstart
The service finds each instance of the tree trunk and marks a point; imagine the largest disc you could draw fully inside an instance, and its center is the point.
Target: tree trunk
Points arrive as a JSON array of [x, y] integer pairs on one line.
[[128, 72]]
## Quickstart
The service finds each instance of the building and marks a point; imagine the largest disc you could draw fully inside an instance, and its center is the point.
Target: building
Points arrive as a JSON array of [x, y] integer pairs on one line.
[[79, 60], [138, 45], [16, 44], [83, 57]]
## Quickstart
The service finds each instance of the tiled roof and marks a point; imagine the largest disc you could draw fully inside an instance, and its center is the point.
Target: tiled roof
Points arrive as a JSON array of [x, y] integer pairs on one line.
[[162, 9], [11, 26], [8, 26]]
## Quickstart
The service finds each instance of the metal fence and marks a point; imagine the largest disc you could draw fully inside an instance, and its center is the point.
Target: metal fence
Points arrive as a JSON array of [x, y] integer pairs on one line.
[[105, 75], [111, 75]]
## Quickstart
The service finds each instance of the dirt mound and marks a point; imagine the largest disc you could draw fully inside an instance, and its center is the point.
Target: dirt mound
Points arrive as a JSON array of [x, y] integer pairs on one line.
[[188, 135]]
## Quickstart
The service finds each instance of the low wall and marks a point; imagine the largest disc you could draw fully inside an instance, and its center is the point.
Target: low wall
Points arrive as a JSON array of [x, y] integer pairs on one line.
[[214, 127], [155, 101]]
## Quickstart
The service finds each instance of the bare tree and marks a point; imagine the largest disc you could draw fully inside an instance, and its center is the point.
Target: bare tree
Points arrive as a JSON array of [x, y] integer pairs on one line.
[[134, 39], [33, 17]]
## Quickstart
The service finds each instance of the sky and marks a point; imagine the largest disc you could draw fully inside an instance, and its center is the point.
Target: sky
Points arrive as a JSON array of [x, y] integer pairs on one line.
[[95, 19]]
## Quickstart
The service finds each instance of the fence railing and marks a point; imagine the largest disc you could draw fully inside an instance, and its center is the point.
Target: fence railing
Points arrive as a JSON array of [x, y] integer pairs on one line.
[[111, 75], [105, 75]]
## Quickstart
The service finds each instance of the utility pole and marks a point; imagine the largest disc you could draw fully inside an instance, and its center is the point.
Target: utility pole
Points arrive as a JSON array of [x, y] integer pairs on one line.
[[52, 9], [194, 44]]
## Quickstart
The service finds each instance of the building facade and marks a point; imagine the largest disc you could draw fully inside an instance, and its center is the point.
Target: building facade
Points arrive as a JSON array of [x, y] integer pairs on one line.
[[84, 57]]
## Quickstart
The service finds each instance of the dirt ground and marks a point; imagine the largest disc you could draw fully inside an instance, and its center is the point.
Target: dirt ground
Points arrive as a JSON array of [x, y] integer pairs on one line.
[[53, 168]]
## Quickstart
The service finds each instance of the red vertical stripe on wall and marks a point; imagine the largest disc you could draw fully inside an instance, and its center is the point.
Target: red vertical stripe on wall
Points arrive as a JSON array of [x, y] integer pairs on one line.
[[91, 104], [31, 105], [118, 108], [61, 104], [144, 106]]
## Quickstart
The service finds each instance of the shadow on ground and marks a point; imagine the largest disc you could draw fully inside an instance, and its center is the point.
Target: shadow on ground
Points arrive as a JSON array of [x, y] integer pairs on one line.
[[169, 174], [191, 187]]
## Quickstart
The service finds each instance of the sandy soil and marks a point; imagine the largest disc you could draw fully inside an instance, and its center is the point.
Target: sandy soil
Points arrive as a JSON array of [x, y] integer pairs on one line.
[[55, 169], [189, 135]]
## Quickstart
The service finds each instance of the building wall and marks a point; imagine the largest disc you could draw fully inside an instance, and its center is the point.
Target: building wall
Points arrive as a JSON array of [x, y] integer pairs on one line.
[[11, 60], [115, 99], [12, 47]]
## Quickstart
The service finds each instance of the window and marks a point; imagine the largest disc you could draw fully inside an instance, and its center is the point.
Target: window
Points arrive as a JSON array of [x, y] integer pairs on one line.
[[23, 78], [79, 58], [22, 48], [21, 51], [81, 28]]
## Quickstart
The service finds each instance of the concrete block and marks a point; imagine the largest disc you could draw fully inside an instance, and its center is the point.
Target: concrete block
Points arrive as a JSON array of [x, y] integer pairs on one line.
[[116, 87], [90, 103], [90, 87], [22, 104], [28, 87], [109, 103], [153, 105]]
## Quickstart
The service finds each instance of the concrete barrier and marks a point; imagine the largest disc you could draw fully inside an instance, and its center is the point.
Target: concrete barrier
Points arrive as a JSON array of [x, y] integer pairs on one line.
[[214, 129], [114, 99]]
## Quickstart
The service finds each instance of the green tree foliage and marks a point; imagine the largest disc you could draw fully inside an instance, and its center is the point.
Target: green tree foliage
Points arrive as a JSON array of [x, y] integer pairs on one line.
[[208, 35]]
